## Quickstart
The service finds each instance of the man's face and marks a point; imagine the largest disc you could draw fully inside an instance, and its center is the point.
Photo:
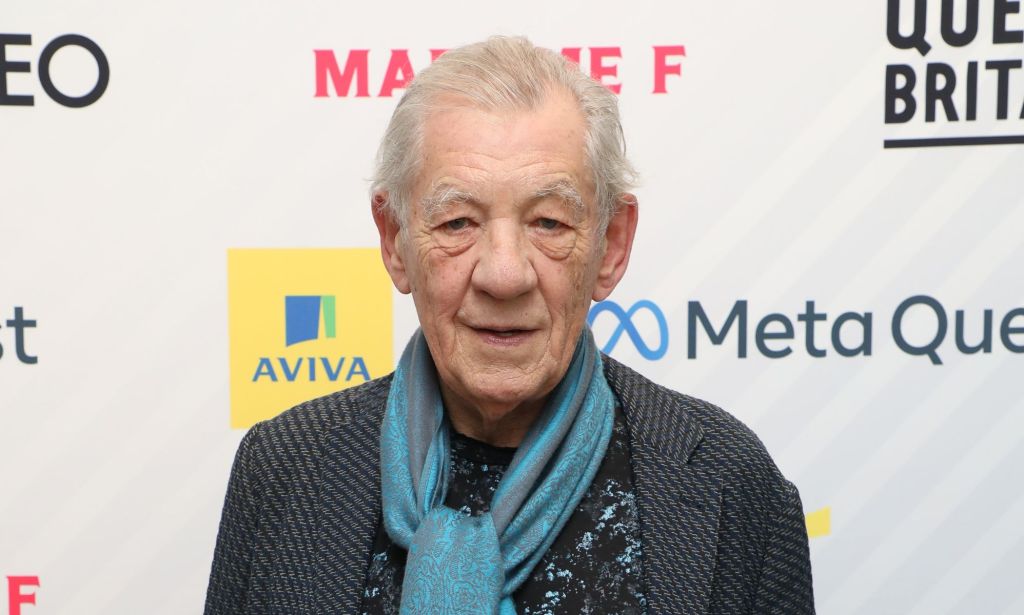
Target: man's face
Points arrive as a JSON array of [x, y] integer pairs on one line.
[[500, 249]]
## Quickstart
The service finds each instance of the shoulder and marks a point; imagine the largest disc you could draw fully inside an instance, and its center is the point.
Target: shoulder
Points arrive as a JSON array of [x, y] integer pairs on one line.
[[291, 442], [700, 472], [700, 433], [729, 443]]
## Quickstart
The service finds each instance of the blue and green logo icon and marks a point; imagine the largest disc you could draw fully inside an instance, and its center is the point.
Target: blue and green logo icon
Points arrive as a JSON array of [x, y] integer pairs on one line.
[[302, 317]]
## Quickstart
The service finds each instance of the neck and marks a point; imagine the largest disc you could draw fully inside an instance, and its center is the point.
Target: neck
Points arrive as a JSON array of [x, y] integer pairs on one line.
[[500, 425]]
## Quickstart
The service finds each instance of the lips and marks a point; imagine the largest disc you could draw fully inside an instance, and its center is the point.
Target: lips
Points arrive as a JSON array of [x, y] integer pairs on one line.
[[503, 335], [504, 331]]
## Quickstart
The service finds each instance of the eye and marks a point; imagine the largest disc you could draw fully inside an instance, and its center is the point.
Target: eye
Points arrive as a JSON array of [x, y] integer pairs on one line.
[[457, 224], [548, 224]]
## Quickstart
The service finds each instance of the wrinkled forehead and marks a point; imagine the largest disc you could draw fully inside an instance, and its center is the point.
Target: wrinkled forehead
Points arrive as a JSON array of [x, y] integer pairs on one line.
[[469, 152]]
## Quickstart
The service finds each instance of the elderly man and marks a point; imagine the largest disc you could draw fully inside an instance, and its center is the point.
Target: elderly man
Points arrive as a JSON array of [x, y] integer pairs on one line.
[[506, 466]]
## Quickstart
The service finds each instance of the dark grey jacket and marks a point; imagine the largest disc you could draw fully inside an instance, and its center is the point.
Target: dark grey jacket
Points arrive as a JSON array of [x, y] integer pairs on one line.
[[723, 531]]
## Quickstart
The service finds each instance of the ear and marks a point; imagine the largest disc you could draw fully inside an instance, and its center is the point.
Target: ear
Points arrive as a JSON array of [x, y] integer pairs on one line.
[[618, 246], [389, 228]]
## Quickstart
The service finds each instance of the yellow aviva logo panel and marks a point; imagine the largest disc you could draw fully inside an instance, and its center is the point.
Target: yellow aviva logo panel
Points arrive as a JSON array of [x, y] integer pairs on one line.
[[304, 323]]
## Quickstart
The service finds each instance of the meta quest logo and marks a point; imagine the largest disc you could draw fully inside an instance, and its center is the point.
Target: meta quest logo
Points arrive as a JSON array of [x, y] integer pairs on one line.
[[304, 323]]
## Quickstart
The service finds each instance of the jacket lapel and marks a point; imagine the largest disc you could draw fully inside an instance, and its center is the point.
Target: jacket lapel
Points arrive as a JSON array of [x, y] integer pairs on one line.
[[679, 502], [349, 505]]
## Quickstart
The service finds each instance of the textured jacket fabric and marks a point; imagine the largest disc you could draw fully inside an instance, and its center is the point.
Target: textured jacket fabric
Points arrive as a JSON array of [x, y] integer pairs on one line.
[[722, 530]]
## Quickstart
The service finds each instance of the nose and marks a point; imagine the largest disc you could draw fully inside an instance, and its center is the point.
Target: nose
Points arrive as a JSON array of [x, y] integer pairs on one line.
[[504, 270]]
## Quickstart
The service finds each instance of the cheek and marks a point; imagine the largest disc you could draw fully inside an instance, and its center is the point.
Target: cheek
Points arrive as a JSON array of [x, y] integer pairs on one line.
[[444, 280], [567, 286]]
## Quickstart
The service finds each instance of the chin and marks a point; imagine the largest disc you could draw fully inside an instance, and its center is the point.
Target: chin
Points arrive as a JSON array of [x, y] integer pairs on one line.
[[504, 392]]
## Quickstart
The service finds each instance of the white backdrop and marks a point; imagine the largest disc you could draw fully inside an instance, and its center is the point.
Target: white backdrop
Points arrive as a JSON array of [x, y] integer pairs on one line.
[[764, 177]]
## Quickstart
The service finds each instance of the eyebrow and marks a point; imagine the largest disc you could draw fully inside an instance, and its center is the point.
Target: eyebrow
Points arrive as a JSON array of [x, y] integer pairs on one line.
[[445, 195], [564, 190]]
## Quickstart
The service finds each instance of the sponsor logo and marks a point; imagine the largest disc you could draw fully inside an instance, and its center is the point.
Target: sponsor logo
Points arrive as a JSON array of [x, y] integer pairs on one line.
[[19, 593], [304, 323], [956, 78], [19, 325], [302, 317], [920, 326], [358, 69], [852, 333], [8, 66], [624, 319]]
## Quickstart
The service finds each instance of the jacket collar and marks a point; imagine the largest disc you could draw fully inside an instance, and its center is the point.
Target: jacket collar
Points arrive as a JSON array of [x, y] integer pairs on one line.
[[679, 501]]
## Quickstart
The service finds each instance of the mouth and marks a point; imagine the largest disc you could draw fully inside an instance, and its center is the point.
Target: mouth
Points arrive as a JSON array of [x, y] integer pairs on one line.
[[501, 331], [496, 335]]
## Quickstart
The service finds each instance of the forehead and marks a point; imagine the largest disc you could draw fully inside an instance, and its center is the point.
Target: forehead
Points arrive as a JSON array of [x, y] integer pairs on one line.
[[483, 150]]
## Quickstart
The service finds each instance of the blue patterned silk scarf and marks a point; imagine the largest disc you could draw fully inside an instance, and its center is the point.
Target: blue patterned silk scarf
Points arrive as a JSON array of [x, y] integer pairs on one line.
[[458, 563]]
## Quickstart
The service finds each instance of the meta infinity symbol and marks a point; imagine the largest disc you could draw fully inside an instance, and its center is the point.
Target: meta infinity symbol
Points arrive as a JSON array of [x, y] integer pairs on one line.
[[626, 325]]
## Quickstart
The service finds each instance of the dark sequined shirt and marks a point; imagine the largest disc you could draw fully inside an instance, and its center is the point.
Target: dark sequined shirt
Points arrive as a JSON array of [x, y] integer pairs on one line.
[[594, 565]]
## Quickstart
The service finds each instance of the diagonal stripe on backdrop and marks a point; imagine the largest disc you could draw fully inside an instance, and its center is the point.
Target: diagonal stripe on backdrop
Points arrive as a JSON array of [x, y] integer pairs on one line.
[[919, 524], [1006, 533]]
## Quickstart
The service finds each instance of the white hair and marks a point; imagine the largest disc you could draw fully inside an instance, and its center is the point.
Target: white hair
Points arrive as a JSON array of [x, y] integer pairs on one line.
[[503, 73]]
